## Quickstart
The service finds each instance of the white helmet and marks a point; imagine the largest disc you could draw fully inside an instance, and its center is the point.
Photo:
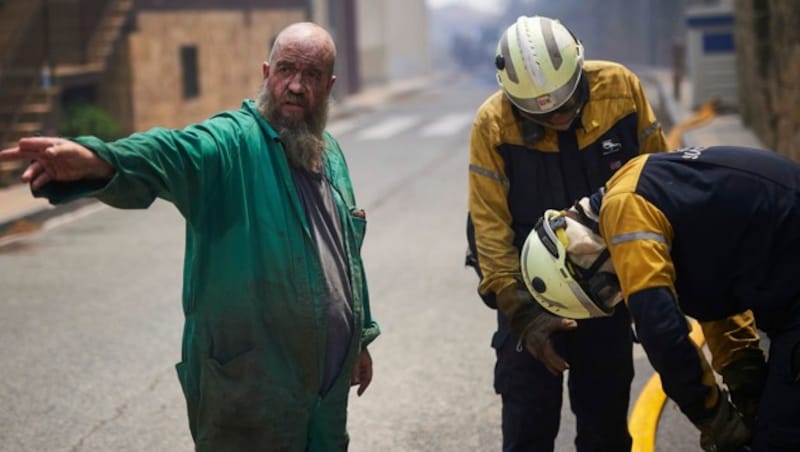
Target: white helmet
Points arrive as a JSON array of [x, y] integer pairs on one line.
[[539, 64], [556, 282]]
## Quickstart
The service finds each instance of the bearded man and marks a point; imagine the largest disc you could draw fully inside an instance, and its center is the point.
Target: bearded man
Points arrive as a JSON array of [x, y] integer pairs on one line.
[[277, 317]]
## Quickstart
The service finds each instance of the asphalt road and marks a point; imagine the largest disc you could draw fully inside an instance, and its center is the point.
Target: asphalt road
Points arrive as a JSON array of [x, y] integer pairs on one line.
[[90, 318]]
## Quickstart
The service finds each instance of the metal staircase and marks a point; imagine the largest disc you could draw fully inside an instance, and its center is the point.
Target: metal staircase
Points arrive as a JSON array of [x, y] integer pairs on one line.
[[42, 44]]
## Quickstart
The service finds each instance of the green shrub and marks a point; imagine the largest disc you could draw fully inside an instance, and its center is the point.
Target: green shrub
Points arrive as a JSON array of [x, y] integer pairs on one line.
[[88, 119]]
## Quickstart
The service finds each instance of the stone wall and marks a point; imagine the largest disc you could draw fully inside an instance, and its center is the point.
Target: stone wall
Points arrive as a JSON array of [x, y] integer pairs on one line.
[[768, 61], [144, 87]]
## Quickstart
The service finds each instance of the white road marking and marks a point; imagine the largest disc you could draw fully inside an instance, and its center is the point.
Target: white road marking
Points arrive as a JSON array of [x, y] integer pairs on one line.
[[388, 128], [341, 127], [447, 125]]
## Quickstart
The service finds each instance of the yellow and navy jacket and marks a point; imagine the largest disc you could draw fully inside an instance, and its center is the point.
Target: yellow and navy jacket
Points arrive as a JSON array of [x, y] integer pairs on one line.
[[512, 181], [706, 232]]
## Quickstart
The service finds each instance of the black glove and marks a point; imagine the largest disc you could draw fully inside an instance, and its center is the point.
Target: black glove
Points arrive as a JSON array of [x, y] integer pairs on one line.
[[518, 306], [724, 430], [538, 339], [533, 325], [745, 379]]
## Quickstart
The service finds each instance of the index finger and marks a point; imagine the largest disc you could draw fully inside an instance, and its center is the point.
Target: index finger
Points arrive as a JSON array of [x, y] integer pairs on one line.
[[37, 144], [13, 154], [553, 361], [361, 388], [568, 324], [28, 148], [366, 379]]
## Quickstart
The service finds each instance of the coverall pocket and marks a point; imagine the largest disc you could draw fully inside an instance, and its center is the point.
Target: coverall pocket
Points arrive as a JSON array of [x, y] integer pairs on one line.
[[189, 394], [240, 394], [359, 227]]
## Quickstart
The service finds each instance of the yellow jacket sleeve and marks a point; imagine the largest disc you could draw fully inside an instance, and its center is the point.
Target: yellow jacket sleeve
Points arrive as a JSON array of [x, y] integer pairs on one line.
[[487, 203]]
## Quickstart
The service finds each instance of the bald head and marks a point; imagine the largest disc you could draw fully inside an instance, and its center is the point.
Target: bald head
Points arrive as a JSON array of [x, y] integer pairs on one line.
[[309, 36]]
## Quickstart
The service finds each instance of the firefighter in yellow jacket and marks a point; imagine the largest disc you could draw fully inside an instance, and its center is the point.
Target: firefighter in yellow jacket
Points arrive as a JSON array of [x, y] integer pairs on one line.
[[557, 129], [705, 232]]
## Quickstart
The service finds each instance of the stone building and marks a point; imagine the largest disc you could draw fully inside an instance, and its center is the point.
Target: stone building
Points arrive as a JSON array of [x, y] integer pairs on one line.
[[173, 62], [178, 62], [146, 62]]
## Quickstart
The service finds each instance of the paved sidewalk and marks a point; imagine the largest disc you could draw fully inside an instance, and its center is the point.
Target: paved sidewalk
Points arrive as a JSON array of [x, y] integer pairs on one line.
[[16, 201], [20, 212], [724, 129]]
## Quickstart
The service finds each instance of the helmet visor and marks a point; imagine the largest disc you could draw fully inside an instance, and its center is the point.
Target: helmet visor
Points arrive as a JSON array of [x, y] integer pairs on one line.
[[601, 287], [560, 118]]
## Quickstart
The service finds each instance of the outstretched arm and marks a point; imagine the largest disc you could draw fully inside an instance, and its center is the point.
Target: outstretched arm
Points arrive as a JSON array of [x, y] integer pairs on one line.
[[56, 159]]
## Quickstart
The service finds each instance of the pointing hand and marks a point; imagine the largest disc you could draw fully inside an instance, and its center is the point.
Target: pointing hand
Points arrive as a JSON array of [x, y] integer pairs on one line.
[[56, 159]]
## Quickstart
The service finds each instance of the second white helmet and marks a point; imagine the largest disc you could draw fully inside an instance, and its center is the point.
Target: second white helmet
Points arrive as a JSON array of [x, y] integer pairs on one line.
[[557, 281]]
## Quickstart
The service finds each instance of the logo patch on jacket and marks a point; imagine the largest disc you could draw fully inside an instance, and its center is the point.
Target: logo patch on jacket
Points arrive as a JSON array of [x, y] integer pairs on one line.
[[610, 147]]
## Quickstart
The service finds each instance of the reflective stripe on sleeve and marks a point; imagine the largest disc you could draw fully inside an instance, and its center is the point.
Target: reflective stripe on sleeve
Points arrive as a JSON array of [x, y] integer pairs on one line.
[[649, 131], [489, 174], [631, 236]]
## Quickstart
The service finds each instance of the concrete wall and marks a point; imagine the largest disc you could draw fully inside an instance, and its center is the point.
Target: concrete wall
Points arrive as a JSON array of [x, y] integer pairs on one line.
[[768, 60], [145, 86], [393, 40], [372, 41], [407, 42]]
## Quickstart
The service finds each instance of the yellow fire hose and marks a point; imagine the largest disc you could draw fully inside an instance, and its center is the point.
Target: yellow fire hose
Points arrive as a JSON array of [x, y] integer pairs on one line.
[[643, 422], [702, 116]]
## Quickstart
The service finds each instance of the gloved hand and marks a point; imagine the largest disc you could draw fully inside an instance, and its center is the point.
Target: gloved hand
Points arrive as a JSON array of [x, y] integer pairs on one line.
[[538, 339], [745, 379], [533, 325], [724, 430]]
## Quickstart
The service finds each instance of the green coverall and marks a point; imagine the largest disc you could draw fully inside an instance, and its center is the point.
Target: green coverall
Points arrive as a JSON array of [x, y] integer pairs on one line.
[[253, 291]]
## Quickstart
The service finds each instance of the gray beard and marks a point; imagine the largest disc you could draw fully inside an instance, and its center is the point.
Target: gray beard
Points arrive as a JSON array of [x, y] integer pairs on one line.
[[302, 138]]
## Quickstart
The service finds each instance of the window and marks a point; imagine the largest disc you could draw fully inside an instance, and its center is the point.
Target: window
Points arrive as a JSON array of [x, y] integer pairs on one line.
[[191, 84]]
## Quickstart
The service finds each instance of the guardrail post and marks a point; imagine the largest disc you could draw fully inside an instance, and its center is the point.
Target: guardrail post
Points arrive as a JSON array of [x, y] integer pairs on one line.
[[678, 67]]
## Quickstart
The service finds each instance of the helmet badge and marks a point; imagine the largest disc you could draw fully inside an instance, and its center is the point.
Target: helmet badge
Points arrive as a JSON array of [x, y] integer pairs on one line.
[[545, 102]]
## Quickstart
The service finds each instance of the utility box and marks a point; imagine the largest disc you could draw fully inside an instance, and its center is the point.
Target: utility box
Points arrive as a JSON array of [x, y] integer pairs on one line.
[[711, 54]]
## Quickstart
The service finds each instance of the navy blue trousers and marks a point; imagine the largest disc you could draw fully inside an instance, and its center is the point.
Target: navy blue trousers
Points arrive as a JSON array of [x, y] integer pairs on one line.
[[778, 424], [600, 355]]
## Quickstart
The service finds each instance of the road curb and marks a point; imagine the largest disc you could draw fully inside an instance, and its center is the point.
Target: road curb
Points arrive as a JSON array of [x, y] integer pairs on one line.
[[33, 219]]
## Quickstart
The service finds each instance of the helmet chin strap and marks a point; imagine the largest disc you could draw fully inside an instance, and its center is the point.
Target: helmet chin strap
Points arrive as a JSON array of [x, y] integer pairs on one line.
[[598, 262], [588, 219], [601, 287]]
